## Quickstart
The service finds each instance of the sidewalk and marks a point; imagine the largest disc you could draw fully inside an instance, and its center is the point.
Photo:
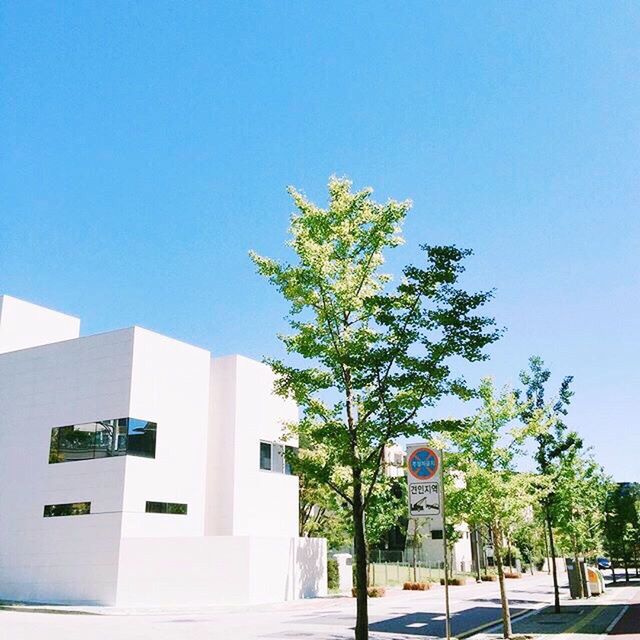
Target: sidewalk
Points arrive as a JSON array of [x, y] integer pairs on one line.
[[617, 612], [629, 623]]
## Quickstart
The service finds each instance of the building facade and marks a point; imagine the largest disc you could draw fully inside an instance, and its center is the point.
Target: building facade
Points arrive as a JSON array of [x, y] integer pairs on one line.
[[137, 470]]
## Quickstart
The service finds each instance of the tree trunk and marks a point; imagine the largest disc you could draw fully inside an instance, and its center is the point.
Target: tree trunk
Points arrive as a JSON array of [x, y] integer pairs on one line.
[[581, 593], [476, 547], [546, 545], [552, 550], [511, 563], [626, 566], [360, 549], [497, 554], [576, 559]]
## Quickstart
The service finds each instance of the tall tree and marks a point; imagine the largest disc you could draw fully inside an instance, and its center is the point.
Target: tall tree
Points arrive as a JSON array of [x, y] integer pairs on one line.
[[622, 525], [553, 444], [369, 357], [493, 494]]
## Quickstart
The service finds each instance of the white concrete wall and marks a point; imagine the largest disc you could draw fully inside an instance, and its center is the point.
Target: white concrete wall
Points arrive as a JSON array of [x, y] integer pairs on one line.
[[265, 502], [24, 325], [243, 500], [72, 558], [170, 386], [219, 570], [221, 447]]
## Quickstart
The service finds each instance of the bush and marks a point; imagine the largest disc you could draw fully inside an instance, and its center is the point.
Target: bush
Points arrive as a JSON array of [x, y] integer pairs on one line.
[[489, 578], [333, 575], [455, 582], [512, 574], [372, 592], [416, 586]]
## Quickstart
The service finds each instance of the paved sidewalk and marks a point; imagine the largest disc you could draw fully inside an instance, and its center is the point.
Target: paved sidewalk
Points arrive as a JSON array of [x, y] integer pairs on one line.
[[578, 619], [629, 623], [399, 615]]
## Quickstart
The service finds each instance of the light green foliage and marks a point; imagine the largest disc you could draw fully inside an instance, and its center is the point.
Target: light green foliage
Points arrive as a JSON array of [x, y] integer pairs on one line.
[[485, 454], [376, 357], [322, 512], [372, 356], [580, 492], [494, 494]]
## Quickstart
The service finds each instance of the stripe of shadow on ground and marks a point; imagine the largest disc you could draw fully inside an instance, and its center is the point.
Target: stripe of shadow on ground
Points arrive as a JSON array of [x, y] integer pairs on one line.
[[432, 624], [629, 624], [581, 616]]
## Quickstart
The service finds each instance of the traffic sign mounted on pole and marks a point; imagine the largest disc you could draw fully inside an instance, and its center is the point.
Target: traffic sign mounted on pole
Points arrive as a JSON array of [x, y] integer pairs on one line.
[[424, 476], [426, 498]]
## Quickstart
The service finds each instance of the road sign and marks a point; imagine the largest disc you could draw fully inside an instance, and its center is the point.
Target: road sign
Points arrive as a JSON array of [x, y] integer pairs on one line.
[[424, 475]]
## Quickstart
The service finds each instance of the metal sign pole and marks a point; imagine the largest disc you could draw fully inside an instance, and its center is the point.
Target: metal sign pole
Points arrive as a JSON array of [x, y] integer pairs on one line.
[[447, 620], [425, 479]]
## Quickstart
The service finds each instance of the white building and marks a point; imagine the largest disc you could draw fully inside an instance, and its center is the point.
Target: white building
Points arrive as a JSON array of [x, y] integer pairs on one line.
[[431, 548], [135, 470], [394, 460]]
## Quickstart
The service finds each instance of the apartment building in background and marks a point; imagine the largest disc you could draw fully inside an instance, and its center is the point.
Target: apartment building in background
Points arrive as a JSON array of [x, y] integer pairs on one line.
[[137, 470]]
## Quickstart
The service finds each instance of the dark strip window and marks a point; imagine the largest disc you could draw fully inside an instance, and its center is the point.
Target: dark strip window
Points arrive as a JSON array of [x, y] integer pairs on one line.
[[69, 509], [103, 439], [166, 507]]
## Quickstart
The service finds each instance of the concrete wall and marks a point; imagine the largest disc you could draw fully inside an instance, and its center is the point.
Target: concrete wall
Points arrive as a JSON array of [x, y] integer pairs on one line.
[[219, 570], [242, 499], [170, 386], [72, 558], [24, 325]]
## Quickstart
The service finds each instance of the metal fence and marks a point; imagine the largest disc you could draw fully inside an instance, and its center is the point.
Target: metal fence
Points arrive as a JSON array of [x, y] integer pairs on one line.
[[397, 573]]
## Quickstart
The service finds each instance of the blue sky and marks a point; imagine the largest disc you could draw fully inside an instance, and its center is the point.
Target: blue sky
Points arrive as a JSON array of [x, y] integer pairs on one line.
[[146, 148]]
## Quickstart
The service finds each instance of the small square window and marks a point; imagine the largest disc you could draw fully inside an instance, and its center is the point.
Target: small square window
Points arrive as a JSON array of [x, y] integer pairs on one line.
[[290, 452], [265, 456], [436, 534]]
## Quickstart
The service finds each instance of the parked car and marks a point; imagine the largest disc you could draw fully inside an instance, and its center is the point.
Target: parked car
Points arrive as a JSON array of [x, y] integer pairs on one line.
[[604, 563]]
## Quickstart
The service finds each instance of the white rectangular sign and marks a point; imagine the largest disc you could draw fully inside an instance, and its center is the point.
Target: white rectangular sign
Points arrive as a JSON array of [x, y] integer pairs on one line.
[[424, 477]]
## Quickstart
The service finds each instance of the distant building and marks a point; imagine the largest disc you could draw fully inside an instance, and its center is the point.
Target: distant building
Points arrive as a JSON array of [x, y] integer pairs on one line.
[[394, 460], [137, 470]]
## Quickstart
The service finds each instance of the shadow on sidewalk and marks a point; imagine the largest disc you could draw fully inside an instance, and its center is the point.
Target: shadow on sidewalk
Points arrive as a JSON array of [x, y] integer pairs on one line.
[[629, 624], [584, 617]]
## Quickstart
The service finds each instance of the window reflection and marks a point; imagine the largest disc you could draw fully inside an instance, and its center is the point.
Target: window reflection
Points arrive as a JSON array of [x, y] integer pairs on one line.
[[265, 456], [69, 509], [166, 507], [103, 439]]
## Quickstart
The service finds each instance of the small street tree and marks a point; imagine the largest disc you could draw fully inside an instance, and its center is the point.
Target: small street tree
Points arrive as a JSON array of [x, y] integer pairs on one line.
[[369, 357], [580, 492], [493, 492], [553, 444]]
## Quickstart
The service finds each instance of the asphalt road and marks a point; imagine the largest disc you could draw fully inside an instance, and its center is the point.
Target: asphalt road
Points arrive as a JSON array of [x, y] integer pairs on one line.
[[398, 615]]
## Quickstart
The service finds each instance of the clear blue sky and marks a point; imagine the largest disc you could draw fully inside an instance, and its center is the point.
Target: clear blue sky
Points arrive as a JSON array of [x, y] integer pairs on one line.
[[146, 146]]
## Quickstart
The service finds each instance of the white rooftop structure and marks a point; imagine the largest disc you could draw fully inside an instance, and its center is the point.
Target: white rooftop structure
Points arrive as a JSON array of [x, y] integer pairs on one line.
[[137, 470]]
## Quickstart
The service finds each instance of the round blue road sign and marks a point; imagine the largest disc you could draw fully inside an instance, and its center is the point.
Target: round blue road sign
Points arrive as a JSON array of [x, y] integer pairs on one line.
[[423, 463]]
